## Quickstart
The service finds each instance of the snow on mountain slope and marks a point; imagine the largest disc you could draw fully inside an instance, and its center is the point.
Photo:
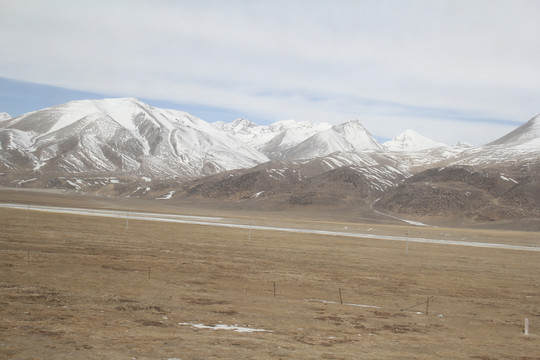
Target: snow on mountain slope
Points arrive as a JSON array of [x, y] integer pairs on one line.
[[518, 148], [4, 116], [378, 170], [292, 132], [122, 135], [126, 136], [524, 137], [357, 136], [410, 140], [344, 137], [246, 131], [272, 139]]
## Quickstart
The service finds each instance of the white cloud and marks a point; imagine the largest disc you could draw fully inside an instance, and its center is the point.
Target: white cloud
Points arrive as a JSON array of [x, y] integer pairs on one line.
[[308, 60]]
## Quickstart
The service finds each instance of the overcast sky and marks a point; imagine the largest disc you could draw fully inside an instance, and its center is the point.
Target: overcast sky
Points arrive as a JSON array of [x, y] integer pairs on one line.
[[451, 70]]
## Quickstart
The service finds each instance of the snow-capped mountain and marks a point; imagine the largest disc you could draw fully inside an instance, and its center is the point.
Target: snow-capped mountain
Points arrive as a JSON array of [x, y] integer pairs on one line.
[[120, 135], [525, 137], [128, 148], [410, 140], [339, 138], [273, 139], [518, 148], [4, 116]]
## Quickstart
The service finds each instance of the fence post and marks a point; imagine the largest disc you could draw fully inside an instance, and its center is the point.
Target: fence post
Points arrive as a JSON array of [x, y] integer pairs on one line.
[[407, 244]]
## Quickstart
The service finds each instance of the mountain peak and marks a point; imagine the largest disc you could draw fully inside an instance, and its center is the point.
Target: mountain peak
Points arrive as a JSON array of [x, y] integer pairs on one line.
[[242, 125], [354, 133], [239, 127], [349, 136], [526, 135], [350, 124], [4, 116], [410, 140]]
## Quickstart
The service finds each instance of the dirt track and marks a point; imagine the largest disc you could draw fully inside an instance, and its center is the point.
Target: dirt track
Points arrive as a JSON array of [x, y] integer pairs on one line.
[[86, 287]]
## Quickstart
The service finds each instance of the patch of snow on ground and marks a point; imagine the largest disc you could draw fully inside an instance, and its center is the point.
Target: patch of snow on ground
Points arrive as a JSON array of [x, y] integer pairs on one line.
[[26, 181], [166, 196], [144, 191], [410, 222], [257, 194], [508, 179], [225, 327], [280, 174], [76, 186], [39, 164]]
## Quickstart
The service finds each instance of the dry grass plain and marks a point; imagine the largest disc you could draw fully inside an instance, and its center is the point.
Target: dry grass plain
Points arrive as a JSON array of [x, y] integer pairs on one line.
[[86, 287]]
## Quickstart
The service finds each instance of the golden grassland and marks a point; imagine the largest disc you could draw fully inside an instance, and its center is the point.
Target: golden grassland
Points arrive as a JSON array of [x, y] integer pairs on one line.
[[86, 287]]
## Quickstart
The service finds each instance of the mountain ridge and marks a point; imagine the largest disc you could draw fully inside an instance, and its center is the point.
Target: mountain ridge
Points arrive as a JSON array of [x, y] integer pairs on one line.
[[91, 136], [127, 148], [525, 135]]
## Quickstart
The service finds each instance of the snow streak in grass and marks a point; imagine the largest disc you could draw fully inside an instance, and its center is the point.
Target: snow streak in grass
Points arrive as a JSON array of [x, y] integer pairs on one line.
[[236, 328]]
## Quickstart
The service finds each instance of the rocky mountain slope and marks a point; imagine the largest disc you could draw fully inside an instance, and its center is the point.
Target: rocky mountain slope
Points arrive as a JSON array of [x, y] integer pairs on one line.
[[464, 194], [496, 182]]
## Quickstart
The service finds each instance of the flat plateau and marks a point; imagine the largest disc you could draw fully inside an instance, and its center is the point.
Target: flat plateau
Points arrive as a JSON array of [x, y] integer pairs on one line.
[[79, 286]]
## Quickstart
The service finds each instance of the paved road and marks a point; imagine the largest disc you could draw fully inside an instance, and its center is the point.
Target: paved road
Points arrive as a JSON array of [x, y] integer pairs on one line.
[[216, 221]]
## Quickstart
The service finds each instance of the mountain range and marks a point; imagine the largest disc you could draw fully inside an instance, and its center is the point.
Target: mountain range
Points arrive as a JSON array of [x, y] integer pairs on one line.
[[128, 148], [120, 136]]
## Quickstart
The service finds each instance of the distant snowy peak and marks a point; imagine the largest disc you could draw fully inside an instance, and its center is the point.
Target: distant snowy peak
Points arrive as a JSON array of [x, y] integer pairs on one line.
[[4, 116], [525, 136], [285, 125], [238, 126], [410, 140], [354, 133], [350, 136], [243, 130], [273, 139], [290, 133]]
